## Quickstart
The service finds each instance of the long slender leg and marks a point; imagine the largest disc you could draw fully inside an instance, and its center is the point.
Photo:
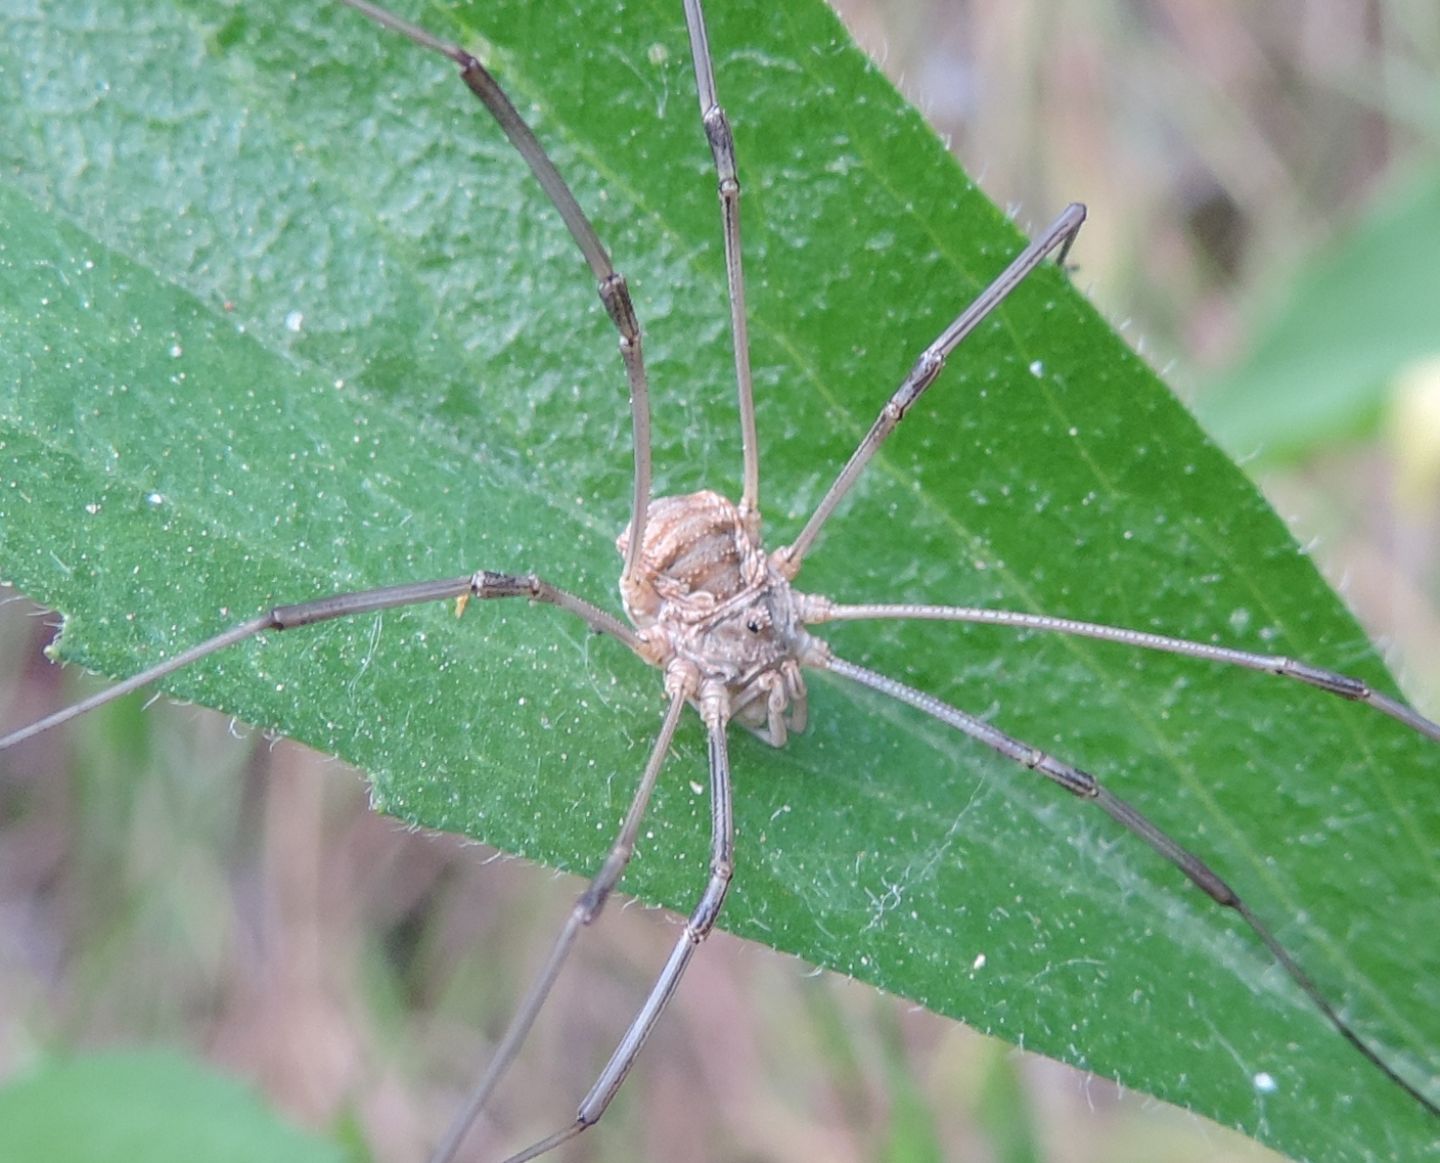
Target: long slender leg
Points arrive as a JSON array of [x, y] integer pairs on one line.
[[1083, 784], [587, 907], [1057, 236], [820, 609], [697, 928], [722, 148], [483, 585], [614, 292]]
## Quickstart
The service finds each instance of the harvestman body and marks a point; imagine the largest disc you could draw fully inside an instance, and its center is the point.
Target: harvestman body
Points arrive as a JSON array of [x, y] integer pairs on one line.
[[718, 615]]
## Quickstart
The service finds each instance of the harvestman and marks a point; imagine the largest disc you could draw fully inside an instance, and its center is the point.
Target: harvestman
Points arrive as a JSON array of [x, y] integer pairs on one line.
[[718, 616]]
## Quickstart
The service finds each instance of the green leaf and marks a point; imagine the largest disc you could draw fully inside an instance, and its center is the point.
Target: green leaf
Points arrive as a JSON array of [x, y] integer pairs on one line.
[[1344, 326], [283, 315], [143, 1105]]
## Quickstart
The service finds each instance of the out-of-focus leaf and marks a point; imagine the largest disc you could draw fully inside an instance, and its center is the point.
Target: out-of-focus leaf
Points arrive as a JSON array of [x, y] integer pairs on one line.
[[1349, 321], [146, 1105]]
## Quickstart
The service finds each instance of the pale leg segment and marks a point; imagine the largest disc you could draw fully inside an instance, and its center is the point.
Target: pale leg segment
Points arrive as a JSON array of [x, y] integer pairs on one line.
[[819, 610], [722, 149]]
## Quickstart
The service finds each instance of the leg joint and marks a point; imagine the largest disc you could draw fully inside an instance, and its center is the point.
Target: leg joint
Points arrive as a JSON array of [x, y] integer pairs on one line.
[[615, 294], [489, 584]]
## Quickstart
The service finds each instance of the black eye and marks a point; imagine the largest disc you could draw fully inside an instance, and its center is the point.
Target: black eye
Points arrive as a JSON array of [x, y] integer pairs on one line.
[[753, 626]]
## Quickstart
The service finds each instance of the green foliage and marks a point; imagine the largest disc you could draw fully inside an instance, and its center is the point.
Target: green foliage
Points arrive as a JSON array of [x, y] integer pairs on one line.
[[119, 1107], [1346, 324], [284, 316]]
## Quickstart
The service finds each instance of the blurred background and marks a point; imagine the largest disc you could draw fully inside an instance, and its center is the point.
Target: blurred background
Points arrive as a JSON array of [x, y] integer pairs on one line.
[[1264, 184]]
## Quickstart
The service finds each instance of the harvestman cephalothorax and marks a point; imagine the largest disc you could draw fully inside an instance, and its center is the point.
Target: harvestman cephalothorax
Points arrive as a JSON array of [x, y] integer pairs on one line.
[[772, 697]]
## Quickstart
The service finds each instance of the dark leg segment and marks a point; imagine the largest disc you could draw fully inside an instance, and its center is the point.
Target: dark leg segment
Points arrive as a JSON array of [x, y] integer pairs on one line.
[[482, 585], [1056, 237], [584, 912], [697, 928], [614, 293], [1084, 785]]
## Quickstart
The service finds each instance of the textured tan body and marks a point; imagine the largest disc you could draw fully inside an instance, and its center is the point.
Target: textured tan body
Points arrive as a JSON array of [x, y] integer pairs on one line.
[[707, 597]]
